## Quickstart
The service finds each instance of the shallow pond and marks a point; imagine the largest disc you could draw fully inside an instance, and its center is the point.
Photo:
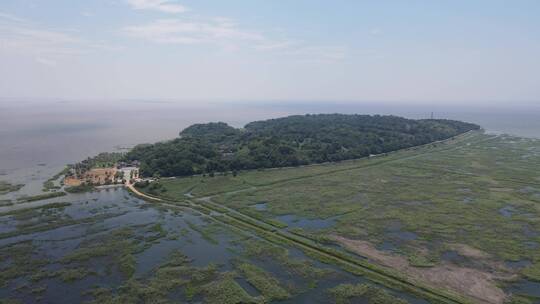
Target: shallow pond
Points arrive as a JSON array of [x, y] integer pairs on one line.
[[526, 287], [294, 221], [507, 211], [395, 237], [518, 264], [453, 256], [260, 206]]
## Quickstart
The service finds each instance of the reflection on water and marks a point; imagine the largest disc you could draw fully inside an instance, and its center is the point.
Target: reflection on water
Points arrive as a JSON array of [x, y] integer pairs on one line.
[[294, 221], [507, 211], [395, 236], [260, 206], [453, 256], [518, 264], [526, 287]]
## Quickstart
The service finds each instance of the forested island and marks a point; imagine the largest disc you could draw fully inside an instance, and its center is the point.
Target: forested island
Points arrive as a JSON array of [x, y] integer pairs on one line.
[[289, 141]]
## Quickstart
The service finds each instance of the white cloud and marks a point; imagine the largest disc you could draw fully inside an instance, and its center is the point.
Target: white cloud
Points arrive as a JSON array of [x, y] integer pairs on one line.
[[47, 62], [25, 39], [46, 46], [375, 31], [278, 45], [229, 36], [176, 31], [320, 54], [11, 17], [166, 6], [222, 32]]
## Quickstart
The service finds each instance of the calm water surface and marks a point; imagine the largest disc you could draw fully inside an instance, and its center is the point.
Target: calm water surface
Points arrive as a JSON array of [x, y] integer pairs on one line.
[[37, 138]]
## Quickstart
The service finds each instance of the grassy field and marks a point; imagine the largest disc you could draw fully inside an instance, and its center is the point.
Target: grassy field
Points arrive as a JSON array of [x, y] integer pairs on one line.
[[467, 209]]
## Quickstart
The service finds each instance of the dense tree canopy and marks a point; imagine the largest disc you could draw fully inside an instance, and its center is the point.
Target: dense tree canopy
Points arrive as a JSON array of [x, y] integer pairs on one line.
[[289, 141]]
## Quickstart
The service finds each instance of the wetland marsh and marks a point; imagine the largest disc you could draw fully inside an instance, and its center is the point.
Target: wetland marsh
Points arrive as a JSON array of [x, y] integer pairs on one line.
[[461, 216], [109, 247]]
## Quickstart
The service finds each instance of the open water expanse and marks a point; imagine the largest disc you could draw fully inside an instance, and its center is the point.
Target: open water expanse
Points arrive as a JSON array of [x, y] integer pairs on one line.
[[37, 138]]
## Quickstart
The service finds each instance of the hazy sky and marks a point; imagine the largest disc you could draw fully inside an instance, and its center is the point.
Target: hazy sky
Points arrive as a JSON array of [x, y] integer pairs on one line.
[[467, 51]]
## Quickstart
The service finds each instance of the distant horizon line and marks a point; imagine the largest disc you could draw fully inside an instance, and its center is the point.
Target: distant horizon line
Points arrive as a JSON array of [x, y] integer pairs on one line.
[[285, 102]]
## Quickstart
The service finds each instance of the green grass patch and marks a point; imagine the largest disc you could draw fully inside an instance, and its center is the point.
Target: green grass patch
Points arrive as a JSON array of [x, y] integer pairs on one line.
[[226, 291], [80, 189], [263, 281], [21, 260], [206, 232], [40, 197], [6, 187], [349, 293], [119, 245], [532, 272]]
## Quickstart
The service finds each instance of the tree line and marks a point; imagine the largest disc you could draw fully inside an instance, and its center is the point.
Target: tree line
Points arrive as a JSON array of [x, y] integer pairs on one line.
[[289, 141]]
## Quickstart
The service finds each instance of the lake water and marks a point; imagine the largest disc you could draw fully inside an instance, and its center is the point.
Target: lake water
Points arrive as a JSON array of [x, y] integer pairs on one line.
[[37, 138]]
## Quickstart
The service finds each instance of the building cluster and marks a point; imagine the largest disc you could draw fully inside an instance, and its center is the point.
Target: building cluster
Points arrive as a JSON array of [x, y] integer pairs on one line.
[[118, 174]]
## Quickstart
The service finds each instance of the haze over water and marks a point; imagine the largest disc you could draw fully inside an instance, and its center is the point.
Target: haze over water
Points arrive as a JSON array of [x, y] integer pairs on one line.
[[51, 134]]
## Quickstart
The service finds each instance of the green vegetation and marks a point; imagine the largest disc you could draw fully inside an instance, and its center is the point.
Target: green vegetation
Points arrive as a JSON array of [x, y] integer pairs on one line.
[[21, 262], [206, 232], [39, 289], [49, 185], [158, 233], [117, 245], [532, 272], [361, 267], [475, 197], [6, 203], [264, 282], [226, 291], [43, 218], [451, 193], [153, 188], [66, 274], [176, 273], [6, 187], [32, 213], [80, 189], [102, 160], [424, 201], [347, 293], [266, 251], [119, 249], [178, 188], [289, 141], [39, 197]]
